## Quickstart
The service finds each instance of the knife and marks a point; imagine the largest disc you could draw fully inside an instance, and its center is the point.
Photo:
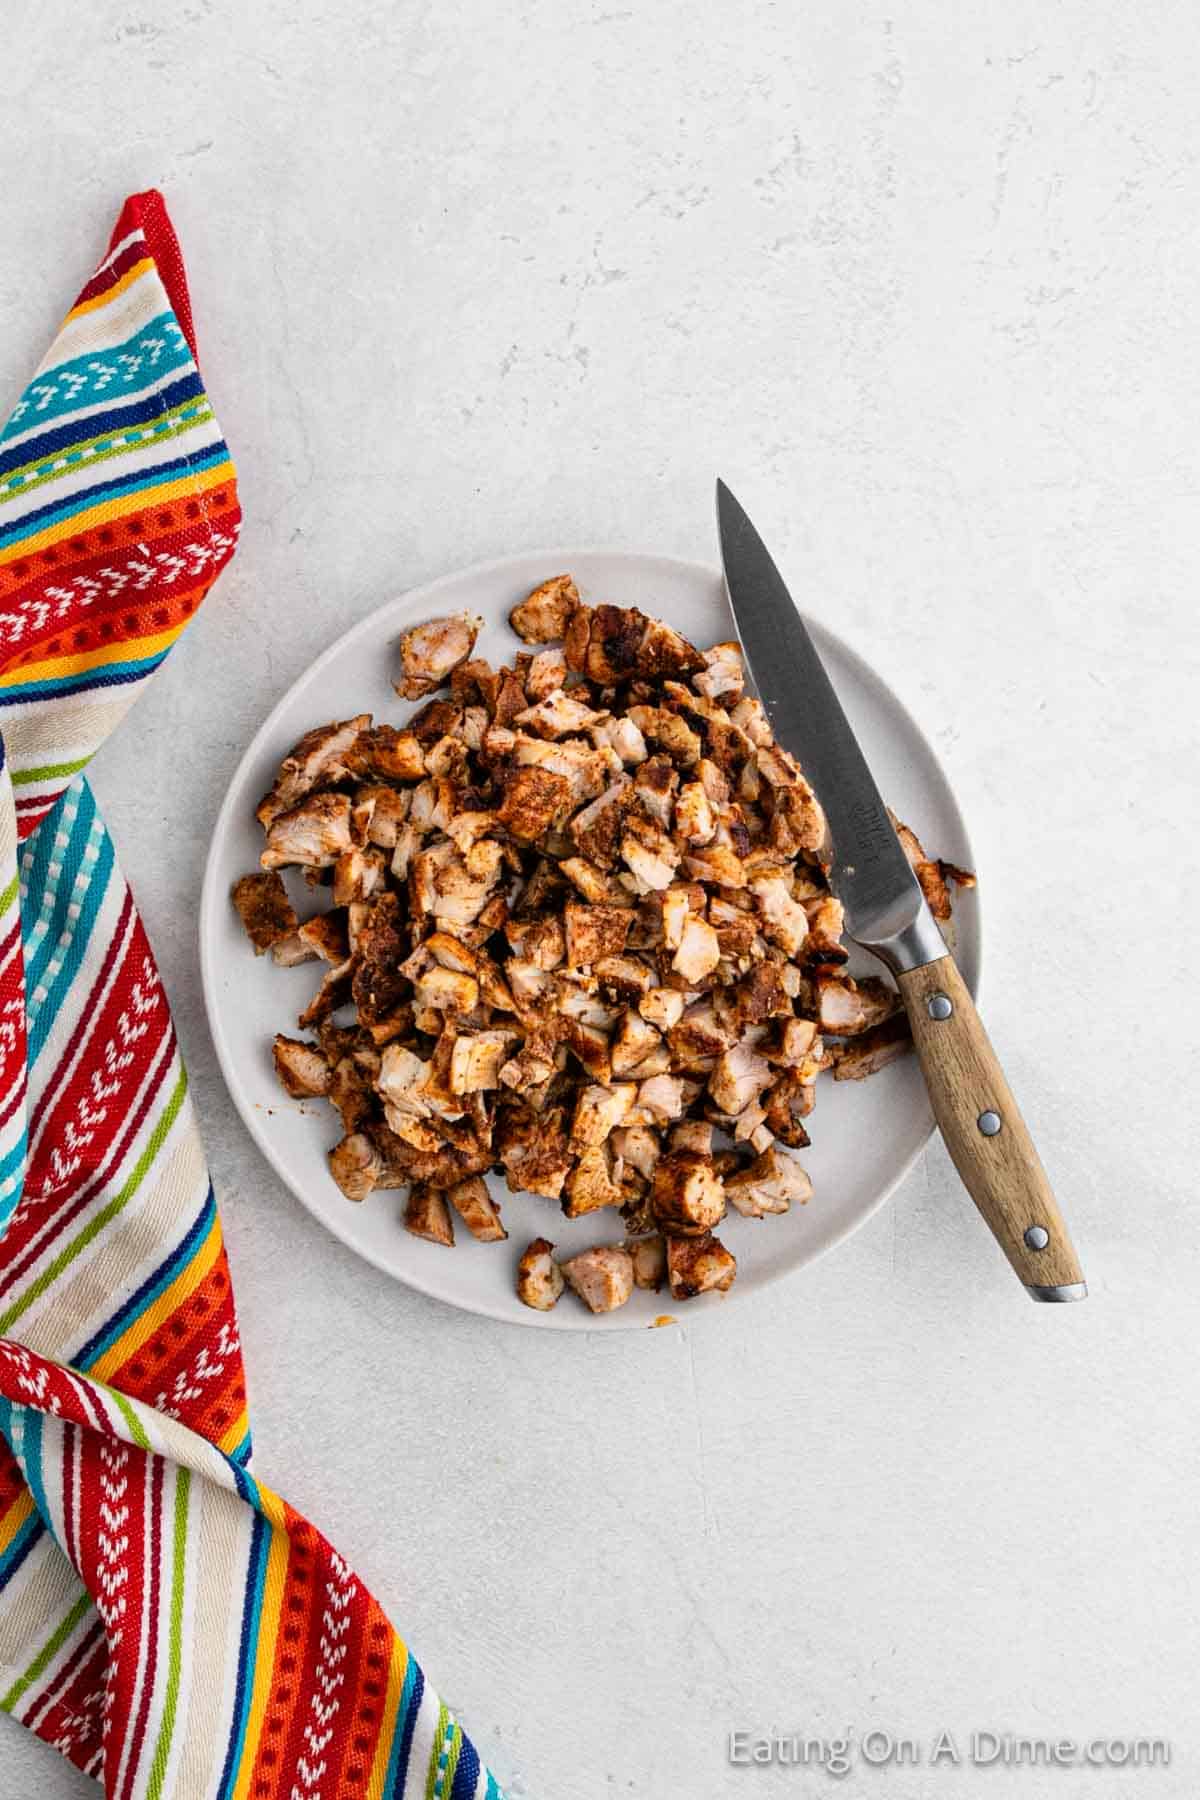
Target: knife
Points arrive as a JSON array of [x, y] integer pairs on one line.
[[886, 913]]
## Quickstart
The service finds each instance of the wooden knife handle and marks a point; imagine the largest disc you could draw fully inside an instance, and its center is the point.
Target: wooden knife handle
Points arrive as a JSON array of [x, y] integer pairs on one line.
[[997, 1161]]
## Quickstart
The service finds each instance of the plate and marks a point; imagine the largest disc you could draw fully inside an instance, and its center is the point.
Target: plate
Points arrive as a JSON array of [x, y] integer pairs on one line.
[[866, 1135]]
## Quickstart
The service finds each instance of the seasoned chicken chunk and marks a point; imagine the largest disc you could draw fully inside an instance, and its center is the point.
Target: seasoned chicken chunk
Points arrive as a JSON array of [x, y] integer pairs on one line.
[[301, 1068], [426, 1214], [355, 1165], [319, 757], [429, 652], [768, 1185], [264, 908], [698, 1266], [686, 1196], [539, 1278], [649, 1258], [477, 1210], [313, 833], [872, 1050], [542, 617], [603, 1278]]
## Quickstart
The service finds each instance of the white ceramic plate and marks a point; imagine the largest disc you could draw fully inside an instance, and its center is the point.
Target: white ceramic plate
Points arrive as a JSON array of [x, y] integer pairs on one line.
[[866, 1135]]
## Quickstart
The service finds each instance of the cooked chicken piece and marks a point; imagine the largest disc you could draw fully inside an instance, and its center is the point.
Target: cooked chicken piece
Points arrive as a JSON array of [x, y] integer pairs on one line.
[[386, 754], [722, 676], [597, 1110], [686, 1195], [698, 1266], [695, 820], [355, 1165], [692, 1134], [557, 716], [539, 1278], [788, 1103], [593, 932], [649, 1258], [761, 994], [302, 1070], [633, 1043], [326, 936], [591, 1183], [443, 990], [597, 828], [476, 1061], [826, 923], [638, 1147], [930, 874], [699, 949], [534, 1151], [587, 770], [674, 734], [590, 881], [784, 920], [662, 1007], [676, 909], [621, 736], [546, 673], [477, 1210], [429, 652], [540, 941], [661, 1098], [738, 1079], [664, 652], [848, 1007], [623, 977], [768, 1185], [401, 1081], [534, 800], [264, 908], [313, 833], [543, 616], [426, 1214], [652, 865], [700, 1035], [873, 1050], [603, 1278], [318, 757]]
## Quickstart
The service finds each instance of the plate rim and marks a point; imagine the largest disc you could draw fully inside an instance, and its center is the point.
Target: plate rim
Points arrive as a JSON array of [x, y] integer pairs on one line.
[[209, 901]]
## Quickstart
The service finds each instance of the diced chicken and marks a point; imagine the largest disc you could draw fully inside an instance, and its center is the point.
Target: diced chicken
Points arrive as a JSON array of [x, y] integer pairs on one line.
[[699, 1265], [386, 754], [477, 1059], [603, 1278], [662, 1007], [768, 1185], [265, 911], [738, 1078], [591, 1183], [543, 616], [598, 1110], [557, 716], [594, 932], [635, 1040], [318, 757], [652, 864], [785, 921], [661, 1098], [638, 1147], [873, 1050], [313, 833], [686, 1196], [586, 770], [539, 1278], [847, 1007], [623, 737], [355, 1165], [302, 1070], [477, 1210], [722, 677], [426, 1214], [623, 977], [699, 949], [429, 652], [676, 909], [695, 820], [649, 1258]]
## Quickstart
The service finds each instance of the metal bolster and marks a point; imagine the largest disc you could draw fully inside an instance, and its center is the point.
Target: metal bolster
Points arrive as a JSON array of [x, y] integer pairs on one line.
[[1071, 1290], [912, 945]]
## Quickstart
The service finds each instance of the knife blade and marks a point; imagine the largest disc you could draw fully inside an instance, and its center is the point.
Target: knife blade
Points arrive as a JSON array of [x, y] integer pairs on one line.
[[886, 913]]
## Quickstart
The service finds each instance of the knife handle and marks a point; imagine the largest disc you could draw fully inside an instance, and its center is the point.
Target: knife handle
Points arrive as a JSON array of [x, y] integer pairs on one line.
[[985, 1133]]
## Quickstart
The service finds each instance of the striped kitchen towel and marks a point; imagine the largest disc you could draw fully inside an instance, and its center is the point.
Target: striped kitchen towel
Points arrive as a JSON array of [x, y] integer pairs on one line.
[[166, 1621]]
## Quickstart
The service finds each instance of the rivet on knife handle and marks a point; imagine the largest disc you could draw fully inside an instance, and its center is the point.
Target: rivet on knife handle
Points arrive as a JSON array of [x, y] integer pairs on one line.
[[985, 1133]]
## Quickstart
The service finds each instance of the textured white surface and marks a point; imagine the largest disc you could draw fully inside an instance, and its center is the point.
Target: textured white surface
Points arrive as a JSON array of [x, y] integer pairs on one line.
[[920, 281]]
